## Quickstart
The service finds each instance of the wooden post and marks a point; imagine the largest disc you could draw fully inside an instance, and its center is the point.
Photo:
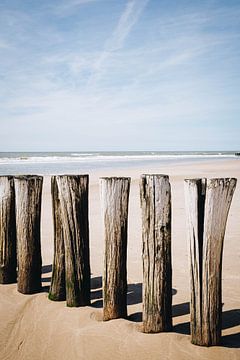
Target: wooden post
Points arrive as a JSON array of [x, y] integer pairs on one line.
[[207, 204], [195, 193], [155, 193], [28, 190], [57, 290], [114, 198], [73, 196], [8, 257]]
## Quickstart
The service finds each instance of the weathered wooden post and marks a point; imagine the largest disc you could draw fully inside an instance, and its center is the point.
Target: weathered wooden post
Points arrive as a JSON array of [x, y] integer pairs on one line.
[[28, 191], [207, 205], [57, 290], [73, 197], [114, 198], [8, 257], [155, 193]]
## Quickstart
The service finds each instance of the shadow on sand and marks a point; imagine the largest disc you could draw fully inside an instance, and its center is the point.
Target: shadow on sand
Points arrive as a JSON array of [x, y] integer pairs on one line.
[[45, 270], [230, 318], [134, 293], [134, 296]]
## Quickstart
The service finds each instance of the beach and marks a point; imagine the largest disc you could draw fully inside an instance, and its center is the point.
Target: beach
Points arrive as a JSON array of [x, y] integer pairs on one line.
[[33, 327]]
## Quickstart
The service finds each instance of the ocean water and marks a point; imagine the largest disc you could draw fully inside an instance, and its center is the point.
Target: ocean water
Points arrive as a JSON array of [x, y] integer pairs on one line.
[[46, 163]]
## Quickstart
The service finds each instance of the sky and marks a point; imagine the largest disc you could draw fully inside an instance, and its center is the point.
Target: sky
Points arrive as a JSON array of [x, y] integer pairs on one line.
[[119, 75]]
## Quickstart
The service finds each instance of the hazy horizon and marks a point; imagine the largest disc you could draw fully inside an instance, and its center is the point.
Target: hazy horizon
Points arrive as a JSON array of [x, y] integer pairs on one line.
[[147, 152]]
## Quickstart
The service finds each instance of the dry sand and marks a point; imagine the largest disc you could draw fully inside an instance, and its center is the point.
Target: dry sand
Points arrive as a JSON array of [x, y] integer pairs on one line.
[[33, 327]]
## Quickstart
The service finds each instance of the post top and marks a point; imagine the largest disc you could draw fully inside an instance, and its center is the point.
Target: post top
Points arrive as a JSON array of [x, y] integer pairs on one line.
[[9, 177], [70, 175], [155, 175], [114, 179], [194, 180], [27, 177], [110, 178], [223, 179]]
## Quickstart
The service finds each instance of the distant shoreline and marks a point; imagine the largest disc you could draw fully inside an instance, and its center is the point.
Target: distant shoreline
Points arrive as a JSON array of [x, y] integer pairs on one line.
[[50, 165]]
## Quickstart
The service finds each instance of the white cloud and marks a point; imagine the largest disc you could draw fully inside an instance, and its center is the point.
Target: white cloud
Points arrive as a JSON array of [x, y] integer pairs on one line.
[[67, 7], [182, 71], [128, 19], [4, 44]]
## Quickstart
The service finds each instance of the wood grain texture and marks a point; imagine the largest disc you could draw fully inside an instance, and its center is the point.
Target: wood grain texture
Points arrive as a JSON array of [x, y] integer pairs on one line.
[[8, 256], [28, 191], [219, 195], [195, 193], [73, 196], [155, 193], [57, 291], [114, 199], [207, 203]]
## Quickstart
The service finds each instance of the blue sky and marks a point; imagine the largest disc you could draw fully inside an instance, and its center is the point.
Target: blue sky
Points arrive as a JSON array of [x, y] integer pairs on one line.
[[119, 75]]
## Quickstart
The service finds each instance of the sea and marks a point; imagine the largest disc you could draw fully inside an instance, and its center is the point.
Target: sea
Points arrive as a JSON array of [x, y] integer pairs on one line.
[[50, 163]]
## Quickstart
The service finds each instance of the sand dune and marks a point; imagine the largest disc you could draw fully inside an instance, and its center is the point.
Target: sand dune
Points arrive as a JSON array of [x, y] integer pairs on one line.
[[32, 327]]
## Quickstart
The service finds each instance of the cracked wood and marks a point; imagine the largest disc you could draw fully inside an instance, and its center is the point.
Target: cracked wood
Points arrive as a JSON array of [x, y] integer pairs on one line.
[[155, 193], [207, 205], [28, 190], [114, 196]]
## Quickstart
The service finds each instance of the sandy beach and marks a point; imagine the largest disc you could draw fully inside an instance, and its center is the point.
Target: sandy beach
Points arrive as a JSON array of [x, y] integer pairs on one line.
[[33, 327]]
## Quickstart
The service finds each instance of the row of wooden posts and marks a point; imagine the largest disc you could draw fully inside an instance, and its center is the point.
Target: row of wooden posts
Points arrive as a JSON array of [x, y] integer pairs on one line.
[[207, 205]]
